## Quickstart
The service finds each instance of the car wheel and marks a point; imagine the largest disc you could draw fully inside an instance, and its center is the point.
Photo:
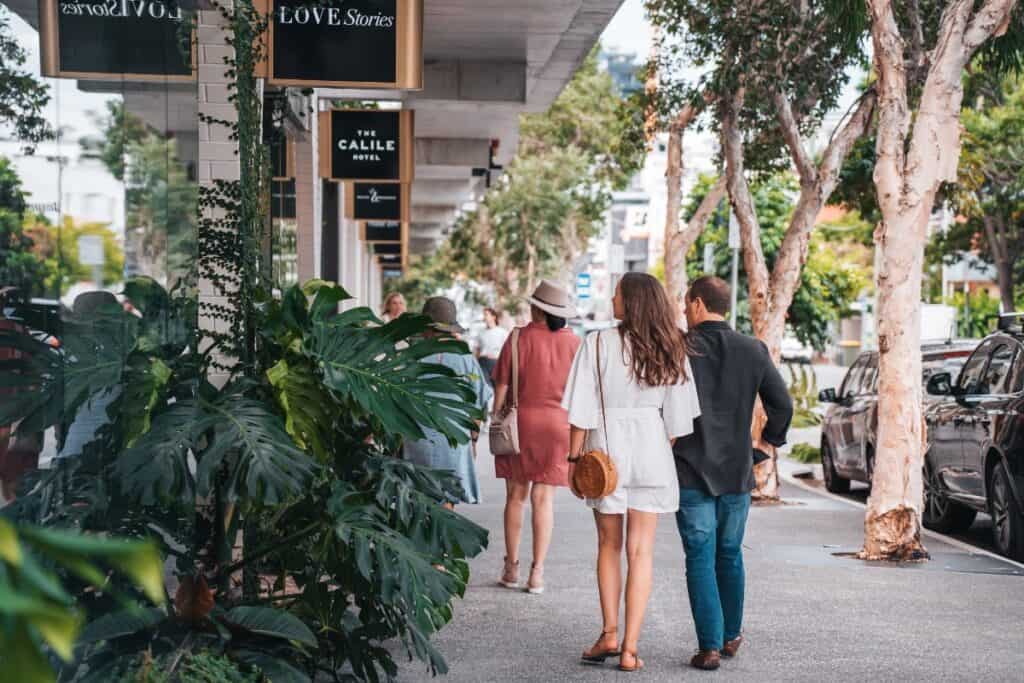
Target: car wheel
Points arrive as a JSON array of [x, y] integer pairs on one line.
[[1007, 521], [833, 482], [940, 513]]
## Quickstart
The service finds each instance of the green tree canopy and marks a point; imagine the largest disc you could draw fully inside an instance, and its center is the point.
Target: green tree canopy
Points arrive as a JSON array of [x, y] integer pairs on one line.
[[833, 277]]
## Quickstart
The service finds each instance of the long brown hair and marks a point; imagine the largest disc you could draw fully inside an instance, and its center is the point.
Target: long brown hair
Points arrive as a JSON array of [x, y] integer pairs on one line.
[[656, 345]]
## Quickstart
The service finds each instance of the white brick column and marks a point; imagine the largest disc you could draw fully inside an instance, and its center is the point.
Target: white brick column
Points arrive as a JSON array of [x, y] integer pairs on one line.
[[218, 154]]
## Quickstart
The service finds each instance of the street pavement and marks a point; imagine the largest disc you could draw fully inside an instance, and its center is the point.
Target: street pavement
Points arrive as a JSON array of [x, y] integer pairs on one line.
[[813, 614]]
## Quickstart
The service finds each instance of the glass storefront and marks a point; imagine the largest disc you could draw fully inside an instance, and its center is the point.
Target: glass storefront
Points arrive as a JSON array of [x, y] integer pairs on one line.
[[99, 201]]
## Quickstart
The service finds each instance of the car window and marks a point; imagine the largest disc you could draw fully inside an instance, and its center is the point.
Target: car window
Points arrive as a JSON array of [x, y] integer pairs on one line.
[[851, 384], [994, 381], [971, 374], [869, 380], [1017, 375]]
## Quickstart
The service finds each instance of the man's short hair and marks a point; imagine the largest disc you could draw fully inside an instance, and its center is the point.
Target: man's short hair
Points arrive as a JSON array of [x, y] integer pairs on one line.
[[713, 291]]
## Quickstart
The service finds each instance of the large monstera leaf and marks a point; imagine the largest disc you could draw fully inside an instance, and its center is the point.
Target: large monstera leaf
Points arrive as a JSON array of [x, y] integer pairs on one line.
[[382, 370], [52, 383], [231, 431]]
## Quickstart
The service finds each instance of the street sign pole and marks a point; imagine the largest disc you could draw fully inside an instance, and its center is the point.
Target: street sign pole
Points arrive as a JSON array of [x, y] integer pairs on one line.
[[734, 244]]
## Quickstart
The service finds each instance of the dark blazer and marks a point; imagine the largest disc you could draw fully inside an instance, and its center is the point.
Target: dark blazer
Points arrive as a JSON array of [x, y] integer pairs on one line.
[[731, 370]]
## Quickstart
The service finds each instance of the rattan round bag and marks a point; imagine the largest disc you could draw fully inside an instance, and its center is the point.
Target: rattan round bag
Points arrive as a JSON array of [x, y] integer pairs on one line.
[[594, 476]]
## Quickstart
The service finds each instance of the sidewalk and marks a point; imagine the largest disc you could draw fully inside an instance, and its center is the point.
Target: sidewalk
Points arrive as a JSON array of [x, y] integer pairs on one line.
[[811, 616]]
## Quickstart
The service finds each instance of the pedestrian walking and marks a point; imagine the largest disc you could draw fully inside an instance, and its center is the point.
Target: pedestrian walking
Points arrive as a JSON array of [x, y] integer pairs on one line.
[[715, 464], [394, 306], [492, 339], [546, 348], [433, 450], [630, 394]]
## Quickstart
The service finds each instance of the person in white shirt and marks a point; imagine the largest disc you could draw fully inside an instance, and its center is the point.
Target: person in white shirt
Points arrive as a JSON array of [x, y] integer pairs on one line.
[[492, 340]]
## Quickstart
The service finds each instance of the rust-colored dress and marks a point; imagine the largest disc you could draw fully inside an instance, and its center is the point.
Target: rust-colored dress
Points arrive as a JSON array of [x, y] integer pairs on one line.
[[545, 358]]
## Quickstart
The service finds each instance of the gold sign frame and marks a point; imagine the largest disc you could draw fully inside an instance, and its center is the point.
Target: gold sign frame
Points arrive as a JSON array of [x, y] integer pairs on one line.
[[408, 52], [49, 55], [406, 147]]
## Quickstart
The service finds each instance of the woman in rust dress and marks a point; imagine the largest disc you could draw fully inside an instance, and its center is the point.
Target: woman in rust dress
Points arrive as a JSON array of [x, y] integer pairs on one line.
[[546, 352]]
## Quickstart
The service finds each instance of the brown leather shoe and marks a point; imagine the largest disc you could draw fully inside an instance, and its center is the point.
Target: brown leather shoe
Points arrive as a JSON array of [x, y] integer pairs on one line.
[[708, 660], [731, 647]]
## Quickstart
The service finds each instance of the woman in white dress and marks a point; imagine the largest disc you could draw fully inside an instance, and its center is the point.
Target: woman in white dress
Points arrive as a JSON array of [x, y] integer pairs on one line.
[[649, 401]]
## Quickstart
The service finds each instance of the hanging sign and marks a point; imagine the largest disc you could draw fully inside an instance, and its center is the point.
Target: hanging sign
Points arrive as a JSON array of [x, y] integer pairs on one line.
[[366, 145], [382, 232], [346, 43], [377, 201], [135, 40]]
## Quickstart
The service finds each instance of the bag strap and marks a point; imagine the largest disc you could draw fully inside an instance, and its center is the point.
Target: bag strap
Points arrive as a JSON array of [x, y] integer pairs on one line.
[[600, 392], [515, 368]]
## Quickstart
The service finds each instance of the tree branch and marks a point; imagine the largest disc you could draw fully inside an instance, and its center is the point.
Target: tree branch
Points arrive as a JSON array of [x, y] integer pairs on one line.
[[791, 134]]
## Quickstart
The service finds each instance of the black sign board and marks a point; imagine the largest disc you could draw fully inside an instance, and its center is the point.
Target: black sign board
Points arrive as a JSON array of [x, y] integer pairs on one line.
[[367, 145], [377, 201], [382, 232], [349, 43], [395, 249], [103, 39]]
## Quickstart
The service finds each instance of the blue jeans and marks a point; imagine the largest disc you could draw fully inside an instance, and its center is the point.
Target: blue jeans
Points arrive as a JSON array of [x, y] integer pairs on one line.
[[712, 531]]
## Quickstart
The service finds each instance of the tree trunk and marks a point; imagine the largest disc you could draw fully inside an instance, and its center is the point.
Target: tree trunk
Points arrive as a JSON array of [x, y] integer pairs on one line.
[[995, 234], [676, 245], [907, 179]]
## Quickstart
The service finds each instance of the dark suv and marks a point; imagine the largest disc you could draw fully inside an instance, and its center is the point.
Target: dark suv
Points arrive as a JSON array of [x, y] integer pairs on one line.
[[975, 457], [848, 430]]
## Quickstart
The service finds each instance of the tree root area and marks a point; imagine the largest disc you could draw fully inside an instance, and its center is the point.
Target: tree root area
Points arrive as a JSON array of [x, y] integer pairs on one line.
[[894, 536]]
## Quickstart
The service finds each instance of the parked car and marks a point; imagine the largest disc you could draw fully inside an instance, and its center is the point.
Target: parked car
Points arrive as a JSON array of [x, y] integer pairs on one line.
[[975, 456], [850, 425]]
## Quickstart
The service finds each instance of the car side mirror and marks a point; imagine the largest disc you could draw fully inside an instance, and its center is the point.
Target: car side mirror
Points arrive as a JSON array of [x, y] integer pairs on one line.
[[828, 396], [940, 384]]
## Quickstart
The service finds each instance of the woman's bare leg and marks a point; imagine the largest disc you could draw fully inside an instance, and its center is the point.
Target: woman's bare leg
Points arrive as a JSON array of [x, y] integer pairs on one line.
[[609, 576], [542, 505], [516, 494], [640, 555]]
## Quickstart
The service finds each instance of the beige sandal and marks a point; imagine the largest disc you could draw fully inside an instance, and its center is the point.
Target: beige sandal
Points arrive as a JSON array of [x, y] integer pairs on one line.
[[535, 587], [510, 575], [637, 662], [595, 656]]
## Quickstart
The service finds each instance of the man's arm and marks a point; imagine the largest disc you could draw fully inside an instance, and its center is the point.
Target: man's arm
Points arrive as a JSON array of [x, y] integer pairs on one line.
[[778, 406]]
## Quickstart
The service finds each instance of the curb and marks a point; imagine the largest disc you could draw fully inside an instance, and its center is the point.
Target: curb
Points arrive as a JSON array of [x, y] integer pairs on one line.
[[956, 543]]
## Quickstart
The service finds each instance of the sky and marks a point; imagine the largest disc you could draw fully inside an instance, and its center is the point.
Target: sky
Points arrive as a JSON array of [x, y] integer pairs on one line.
[[629, 31]]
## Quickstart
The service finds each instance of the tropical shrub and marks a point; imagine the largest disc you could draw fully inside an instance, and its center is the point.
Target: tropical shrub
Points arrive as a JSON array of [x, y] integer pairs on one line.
[[803, 389], [298, 543]]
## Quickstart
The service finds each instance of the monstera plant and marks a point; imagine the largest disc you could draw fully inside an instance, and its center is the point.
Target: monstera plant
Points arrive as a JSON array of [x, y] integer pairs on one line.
[[297, 544]]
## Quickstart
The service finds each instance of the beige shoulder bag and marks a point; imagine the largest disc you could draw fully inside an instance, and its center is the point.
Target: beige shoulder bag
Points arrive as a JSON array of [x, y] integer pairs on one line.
[[503, 433]]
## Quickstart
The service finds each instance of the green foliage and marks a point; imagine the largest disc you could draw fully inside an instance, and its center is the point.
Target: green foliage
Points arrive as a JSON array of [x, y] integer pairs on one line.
[[37, 610], [805, 453], [341, 526], [20, 263], [977, 313], [23, 98], [803, 390], [832, 278]]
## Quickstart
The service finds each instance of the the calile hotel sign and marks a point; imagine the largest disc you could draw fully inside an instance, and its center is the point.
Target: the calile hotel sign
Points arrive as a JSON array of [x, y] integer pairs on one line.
[[367, 145], [346, 43], [138, 40]]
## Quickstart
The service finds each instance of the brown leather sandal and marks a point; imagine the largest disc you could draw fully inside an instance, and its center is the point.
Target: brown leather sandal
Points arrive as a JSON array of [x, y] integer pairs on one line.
[[638, 663], [595, 656]]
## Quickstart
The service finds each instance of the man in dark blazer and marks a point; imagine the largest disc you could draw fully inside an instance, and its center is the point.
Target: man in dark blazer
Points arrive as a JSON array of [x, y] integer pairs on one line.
[[716, 464]]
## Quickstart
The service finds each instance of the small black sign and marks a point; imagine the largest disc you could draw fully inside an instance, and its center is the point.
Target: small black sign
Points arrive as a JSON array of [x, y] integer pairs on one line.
[[377, 201], [320, 41], [365, 145], [383, 232], [395, 249], [97, 38]]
